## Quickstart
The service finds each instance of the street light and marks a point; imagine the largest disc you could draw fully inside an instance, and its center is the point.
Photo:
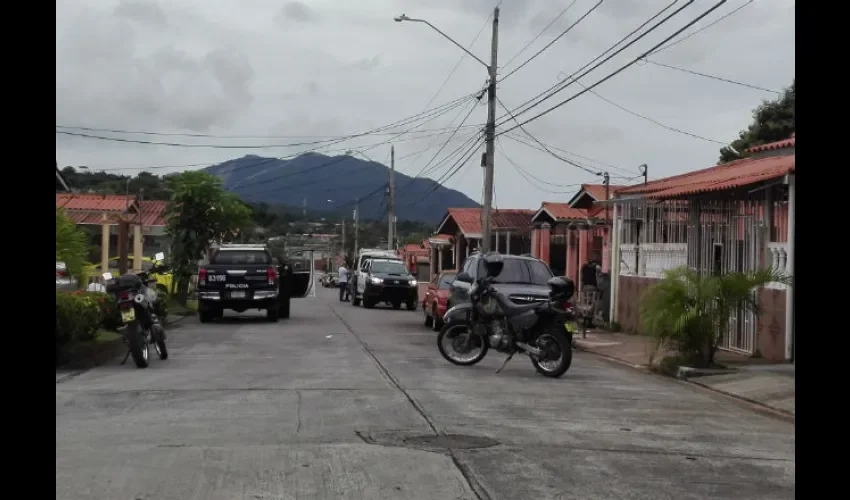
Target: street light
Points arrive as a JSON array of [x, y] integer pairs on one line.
[[490, 128]]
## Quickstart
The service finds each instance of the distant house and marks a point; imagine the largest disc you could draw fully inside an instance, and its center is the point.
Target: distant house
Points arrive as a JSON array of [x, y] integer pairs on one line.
[[459, 234]]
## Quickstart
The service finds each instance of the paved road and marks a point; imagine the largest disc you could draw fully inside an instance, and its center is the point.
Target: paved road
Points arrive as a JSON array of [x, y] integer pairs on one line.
[[342, 403]]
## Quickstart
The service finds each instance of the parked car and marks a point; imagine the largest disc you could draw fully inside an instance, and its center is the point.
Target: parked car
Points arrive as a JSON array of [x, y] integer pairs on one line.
[[435, 303], [330, 280], [386, 280], [64, 281], [523, 279]]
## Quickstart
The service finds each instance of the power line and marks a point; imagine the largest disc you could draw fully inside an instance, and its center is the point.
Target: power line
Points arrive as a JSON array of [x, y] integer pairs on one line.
[[460, 163], [599, 164], [652, 120], [552, 42], [525, 174], [701, 29], [559, 16], [712, 77], [430, 113], [554, 88], [616, 72]]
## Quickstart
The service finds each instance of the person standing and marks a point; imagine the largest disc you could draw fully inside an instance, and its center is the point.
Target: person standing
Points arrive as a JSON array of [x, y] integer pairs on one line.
[[343, 283]]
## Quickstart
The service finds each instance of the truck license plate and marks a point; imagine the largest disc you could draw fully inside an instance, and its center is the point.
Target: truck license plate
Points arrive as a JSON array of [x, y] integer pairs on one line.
[[128, 315], [237, 295]]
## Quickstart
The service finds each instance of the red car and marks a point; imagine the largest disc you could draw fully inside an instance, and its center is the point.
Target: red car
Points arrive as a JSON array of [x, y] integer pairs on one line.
[[434, 304]]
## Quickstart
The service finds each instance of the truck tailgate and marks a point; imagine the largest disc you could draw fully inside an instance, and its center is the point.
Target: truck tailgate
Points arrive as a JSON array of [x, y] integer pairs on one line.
[[237, 281]]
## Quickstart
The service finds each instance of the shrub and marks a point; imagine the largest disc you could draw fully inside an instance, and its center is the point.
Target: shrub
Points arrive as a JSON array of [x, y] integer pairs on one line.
[[77, 317]]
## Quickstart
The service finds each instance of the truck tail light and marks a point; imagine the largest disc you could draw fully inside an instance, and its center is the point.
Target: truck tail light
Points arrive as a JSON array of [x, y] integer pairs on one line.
[[272, 274], [202, 276]]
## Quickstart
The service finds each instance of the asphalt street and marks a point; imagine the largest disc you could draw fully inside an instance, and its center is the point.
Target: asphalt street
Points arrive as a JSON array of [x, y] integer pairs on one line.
[[340, 402]]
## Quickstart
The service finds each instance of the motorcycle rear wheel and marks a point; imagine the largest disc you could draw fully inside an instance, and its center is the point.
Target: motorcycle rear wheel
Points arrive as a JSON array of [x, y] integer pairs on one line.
[[558, 367], [449, 334], [161, 349], [139, 348]]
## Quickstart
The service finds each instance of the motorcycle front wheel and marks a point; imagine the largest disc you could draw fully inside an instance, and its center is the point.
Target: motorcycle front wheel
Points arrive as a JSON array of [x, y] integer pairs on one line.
[[559, 354], [139, 349], [459, 345]]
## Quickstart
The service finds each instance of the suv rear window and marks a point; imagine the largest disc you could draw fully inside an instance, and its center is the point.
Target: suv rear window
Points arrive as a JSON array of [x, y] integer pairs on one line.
[[241, 257], [522, 271]]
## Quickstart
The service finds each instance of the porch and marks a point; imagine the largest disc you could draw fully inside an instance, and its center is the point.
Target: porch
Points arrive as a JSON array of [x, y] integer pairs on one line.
[[736, 217]]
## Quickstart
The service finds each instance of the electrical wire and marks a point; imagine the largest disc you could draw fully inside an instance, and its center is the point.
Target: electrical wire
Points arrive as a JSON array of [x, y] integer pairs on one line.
[[559, 16], [712, 77], [652, 120], [600, 56], [616, 72], [701, 29], [552, 42], [460, 163], [600, 165]]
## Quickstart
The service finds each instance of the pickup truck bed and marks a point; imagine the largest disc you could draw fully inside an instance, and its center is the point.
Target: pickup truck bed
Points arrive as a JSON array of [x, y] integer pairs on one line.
[[238, 279]]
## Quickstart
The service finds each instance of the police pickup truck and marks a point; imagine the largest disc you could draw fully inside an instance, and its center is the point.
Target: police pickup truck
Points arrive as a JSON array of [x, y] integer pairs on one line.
[[242, 277]]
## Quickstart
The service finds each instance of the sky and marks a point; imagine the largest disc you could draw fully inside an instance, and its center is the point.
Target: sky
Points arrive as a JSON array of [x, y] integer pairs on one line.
[[263, 77]]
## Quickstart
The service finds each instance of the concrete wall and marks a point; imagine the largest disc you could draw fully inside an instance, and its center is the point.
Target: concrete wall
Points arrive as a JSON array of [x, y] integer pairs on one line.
[[770, 327], [630, 289]]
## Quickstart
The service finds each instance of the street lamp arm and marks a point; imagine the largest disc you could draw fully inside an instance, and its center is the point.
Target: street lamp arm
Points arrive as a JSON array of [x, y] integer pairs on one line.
[[403, 17]]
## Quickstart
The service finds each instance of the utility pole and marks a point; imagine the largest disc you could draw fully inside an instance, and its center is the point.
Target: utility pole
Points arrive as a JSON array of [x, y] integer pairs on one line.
[[644, 169], [606, 179], [490, 137], [356, 226], [343, 241], [304, 206], [391, 203]]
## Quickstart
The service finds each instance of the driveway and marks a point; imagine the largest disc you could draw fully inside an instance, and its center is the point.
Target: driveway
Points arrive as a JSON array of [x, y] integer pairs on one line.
[[340, 402]]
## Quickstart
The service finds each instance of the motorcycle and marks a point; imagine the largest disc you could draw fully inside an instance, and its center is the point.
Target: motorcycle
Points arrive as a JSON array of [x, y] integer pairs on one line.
[[136, 296], [541, 330]]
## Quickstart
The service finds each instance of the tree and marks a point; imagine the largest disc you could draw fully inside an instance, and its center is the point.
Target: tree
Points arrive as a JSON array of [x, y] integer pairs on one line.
[[71, 245], [200, 212], [689, 311], [772, 121]]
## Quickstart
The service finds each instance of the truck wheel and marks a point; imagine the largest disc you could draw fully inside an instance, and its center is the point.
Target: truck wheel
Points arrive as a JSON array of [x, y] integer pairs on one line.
[[355, 301], [272, 314], [411, 306], [283, 310], [396, 305], [368, 304], [205, 315]]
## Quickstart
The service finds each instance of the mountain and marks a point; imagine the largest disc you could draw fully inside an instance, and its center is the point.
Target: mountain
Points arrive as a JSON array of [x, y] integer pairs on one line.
[[330, 184]]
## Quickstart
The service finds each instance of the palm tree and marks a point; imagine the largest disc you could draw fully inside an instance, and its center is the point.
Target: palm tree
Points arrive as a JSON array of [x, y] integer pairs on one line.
[[689, 311], [71, 245]]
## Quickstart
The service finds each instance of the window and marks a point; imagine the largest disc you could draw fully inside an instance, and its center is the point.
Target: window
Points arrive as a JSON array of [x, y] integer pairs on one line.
[[388, 267], [540, 272], [446, 281], [241, 257], [514, 271]]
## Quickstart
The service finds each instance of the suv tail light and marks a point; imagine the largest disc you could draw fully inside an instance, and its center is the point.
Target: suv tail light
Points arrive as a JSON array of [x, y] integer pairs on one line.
[[122, 296], [202, 276], [272, 274]]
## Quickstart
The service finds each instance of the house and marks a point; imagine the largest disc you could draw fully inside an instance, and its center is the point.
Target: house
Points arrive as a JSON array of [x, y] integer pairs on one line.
[[108, 211], [567, 235], [459, 234], [416, 257], [734, 217]]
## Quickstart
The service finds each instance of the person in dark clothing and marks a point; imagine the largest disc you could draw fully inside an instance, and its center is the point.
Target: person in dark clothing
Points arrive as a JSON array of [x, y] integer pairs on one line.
[[588, 276]]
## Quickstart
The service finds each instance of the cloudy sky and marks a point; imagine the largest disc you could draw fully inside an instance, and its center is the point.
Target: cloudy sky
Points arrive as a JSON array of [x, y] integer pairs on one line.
[[265, 73]]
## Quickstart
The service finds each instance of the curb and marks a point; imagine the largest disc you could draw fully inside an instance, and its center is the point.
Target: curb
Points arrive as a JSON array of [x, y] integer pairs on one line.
[[92, 357], [759, 406]]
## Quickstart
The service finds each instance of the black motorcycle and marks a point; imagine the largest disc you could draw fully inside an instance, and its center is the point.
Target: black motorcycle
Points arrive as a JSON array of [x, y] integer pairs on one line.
[[141, 327], [542, 330]]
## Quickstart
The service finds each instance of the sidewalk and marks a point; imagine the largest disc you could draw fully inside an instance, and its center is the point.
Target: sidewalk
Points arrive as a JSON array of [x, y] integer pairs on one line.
[[751, 379]]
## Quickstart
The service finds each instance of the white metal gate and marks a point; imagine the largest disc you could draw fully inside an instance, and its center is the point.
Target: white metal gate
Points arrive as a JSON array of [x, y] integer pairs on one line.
[[730, 236]]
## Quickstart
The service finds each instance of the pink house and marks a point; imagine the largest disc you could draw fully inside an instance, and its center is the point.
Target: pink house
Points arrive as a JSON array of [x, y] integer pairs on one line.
[[567, 235], [735, 217]]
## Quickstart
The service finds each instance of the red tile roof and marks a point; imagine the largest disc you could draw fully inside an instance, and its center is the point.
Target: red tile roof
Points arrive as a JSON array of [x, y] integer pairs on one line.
[[597, 191], [442, 237], [563, 211], [98, 202], [786, 143], [730, 175], [468, 220], [89, 208]]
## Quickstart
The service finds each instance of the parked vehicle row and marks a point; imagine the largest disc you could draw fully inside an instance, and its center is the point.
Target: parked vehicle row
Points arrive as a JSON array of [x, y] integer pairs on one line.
[[330, 280]]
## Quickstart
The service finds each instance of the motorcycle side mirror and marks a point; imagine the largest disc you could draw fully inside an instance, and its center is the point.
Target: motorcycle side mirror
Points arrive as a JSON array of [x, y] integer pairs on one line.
[[464, 278]]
